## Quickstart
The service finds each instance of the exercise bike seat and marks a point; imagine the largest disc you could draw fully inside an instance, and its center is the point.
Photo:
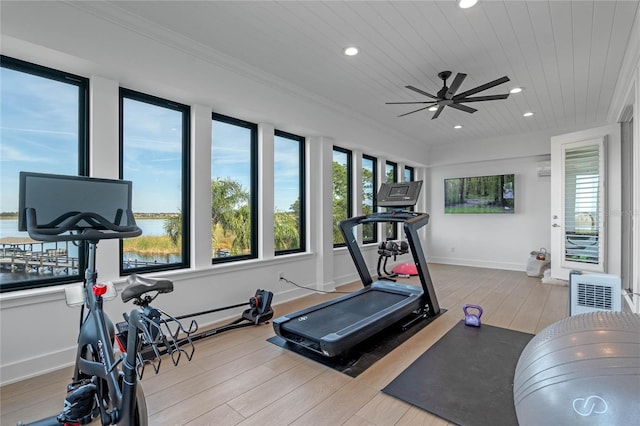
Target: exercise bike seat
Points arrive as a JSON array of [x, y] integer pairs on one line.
[[137, 286]]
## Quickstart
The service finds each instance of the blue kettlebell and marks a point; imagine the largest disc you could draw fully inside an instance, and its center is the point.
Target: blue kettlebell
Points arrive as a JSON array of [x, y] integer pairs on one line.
[[472, 319]]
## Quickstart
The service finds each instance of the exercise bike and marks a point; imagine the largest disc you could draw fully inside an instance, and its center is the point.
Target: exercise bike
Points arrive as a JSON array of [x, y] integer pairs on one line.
[[104, 386]]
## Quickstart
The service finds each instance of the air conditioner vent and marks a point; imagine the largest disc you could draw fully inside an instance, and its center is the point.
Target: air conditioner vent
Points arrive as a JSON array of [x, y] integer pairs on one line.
[[593, 293], [594, 296]]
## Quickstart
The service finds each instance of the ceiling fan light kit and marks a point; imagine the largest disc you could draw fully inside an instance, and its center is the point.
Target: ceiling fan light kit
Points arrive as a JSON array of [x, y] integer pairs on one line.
[[447, 96]]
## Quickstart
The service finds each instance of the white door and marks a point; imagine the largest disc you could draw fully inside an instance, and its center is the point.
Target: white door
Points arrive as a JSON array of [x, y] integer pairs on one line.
[[579, 223]]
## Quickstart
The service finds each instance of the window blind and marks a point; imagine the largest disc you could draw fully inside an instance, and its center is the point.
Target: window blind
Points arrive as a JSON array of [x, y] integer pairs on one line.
[[582, 204]]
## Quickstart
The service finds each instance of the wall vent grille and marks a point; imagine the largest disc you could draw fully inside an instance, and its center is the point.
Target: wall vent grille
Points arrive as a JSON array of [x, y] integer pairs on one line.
[[594, 292], [594, 296]]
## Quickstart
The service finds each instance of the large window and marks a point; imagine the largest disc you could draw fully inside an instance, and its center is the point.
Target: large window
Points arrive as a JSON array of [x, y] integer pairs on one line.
[[234, 183], [409, 174], [154, 149], [369, 188], [43, 115], [341, 191], [288, 189], [391, 176]]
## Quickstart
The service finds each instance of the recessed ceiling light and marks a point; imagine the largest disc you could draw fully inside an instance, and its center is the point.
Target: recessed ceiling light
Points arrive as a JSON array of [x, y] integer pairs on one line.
[[351, 51], [458, 126], [466, 4], [516, 90], [433, 108], [527, 114]]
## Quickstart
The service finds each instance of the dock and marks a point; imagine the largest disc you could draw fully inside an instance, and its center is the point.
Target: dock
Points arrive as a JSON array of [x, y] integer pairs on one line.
[[28, 255]]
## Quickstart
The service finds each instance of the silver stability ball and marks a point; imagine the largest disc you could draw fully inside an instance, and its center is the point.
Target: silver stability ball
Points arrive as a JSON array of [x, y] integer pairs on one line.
[[582, 370]]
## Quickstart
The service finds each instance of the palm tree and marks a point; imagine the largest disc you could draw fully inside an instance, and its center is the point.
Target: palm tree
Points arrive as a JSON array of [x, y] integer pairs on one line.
[[340, 199], [230, 210]]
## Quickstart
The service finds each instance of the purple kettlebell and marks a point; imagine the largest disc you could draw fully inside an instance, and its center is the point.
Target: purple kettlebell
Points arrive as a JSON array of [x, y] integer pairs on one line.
[[472, 319]]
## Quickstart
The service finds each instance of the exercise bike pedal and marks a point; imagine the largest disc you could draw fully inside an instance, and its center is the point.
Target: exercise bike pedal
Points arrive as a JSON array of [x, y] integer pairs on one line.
[[78, 405]]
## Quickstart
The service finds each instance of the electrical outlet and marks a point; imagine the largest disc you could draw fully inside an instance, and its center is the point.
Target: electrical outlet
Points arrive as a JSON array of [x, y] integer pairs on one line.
[[280, 275], [453, 249]]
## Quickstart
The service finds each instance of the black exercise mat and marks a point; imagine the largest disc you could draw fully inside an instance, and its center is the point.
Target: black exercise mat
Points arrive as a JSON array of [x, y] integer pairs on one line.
[[363, 355], [466, 377]]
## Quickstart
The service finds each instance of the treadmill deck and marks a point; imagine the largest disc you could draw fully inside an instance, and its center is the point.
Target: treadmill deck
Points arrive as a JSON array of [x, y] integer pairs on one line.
[[334, 326]]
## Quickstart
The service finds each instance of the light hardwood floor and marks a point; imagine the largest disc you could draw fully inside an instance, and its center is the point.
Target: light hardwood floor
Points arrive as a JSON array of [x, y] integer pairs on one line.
[[238, 378]]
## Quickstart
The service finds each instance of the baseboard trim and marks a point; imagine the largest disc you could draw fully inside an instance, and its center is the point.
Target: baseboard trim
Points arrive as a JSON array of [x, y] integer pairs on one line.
[[508, 266], [32, 367]]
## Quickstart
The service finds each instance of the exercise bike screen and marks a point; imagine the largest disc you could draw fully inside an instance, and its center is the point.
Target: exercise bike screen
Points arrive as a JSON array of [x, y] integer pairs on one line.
[[52, 196]]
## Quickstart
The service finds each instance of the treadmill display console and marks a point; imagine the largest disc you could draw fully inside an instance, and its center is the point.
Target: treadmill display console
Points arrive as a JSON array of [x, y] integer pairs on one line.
[[399, 194]]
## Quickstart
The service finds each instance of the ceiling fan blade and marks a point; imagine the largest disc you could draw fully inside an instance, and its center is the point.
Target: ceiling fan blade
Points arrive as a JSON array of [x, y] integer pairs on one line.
[[411, 112], [422, 92], [485, 86], [402, 103], [482, 98], [455, 85], [463, 108], [440, 108]]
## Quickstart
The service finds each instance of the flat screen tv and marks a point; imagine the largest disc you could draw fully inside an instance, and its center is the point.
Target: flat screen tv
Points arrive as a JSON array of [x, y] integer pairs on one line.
[[479, 195]]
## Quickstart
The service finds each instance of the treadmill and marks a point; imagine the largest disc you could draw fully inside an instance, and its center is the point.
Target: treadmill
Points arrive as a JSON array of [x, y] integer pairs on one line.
[[333, 327]]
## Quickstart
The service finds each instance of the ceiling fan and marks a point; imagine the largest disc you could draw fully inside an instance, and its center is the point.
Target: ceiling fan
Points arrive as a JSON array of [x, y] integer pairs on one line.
[[447, 95]]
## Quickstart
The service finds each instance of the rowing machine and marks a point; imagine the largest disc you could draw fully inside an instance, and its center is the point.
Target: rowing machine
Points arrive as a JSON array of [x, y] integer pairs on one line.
[[259, 312]]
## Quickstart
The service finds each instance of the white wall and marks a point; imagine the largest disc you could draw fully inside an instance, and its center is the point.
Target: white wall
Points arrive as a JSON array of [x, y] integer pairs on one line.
[[501, 241], [627, 98]]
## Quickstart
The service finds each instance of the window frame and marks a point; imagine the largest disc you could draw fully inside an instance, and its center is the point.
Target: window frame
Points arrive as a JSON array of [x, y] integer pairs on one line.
[[412, 173], [391, 225], [302, 226], [412, 177], [374, 207], [253, 208], [82, 83], [571, 196], [349, 155], [185, 175]]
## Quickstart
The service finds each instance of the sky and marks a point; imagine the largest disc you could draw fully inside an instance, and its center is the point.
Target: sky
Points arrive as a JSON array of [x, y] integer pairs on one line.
[[39, 132]]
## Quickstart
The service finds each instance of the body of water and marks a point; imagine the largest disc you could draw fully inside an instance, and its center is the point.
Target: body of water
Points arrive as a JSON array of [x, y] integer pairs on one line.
[[150, 227]]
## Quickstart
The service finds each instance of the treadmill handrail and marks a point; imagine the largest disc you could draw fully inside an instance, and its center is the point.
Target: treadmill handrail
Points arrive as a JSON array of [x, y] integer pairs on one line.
[[413, 221], [391, 216], [411, 231]]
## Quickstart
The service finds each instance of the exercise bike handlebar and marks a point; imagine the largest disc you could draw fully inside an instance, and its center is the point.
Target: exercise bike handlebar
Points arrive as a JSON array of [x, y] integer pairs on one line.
[[96, 227]]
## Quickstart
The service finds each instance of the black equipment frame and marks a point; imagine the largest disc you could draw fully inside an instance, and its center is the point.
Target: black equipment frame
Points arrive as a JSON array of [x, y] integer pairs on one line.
[[259, 312], [105, 387], [383, 303]]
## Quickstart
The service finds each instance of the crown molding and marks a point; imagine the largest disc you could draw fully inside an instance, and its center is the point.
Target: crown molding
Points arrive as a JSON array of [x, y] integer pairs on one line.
[[626, 76], [116, 15]]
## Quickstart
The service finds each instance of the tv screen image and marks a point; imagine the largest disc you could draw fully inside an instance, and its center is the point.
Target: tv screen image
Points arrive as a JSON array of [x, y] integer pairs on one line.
[[479, 195]]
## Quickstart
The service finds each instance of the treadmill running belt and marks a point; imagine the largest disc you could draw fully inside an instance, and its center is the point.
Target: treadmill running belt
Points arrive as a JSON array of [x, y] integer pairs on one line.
[[334, 318]]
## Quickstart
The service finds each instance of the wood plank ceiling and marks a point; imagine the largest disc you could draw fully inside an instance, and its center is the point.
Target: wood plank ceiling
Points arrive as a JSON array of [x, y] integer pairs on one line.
[[566, 55]]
